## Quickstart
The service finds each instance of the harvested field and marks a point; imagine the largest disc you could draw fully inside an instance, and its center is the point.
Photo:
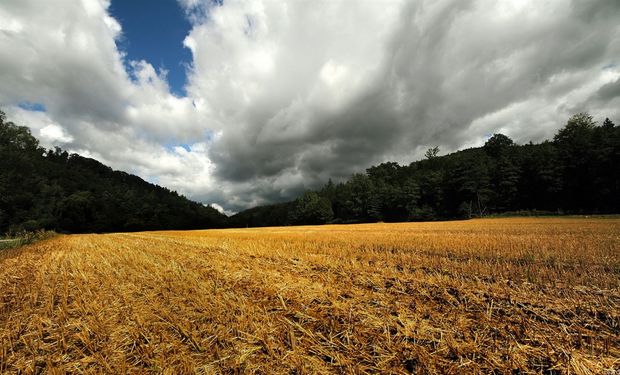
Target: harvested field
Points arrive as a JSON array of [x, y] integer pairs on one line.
[[538, 295]]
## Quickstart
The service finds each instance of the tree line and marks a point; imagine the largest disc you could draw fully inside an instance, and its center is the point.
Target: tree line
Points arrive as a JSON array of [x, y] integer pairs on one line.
[[55, 190], [575, 173]]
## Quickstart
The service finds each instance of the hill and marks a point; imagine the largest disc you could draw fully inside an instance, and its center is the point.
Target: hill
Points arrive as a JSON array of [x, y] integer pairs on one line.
[[52, 189], [575, 173]]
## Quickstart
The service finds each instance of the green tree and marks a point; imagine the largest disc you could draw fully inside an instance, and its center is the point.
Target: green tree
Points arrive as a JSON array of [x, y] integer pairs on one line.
[[497, 144], [16, 137], [311, 208], [76, 211], [470, 183], [577, 133], [363, 200], [505, 184], [411, 197], [432, 153], [576, 147]]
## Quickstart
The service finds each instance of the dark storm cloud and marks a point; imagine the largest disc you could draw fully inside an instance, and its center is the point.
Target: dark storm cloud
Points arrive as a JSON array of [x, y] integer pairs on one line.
[[283, 96], [608, 91], [448, 73]]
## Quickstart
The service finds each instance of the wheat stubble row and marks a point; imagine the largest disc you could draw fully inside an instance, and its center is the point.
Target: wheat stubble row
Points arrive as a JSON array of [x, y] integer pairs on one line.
[[528, 295]]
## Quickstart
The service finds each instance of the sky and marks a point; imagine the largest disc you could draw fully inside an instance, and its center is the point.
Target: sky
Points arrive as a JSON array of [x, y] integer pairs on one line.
[[153, 31], [240, 103]]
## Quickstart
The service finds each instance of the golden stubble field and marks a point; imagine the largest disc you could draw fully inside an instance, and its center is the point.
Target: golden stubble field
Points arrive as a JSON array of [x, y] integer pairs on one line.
[[506, 295]]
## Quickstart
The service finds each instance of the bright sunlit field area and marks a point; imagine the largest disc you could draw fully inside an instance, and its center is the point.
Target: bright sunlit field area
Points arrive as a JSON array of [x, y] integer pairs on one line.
[[515, 295]]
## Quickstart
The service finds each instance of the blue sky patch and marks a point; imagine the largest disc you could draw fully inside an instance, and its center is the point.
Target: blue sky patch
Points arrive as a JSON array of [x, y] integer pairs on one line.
[[34, 107], [153, 30]]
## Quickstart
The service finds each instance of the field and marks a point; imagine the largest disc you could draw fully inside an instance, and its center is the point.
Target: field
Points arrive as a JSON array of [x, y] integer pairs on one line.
[[506, 295]]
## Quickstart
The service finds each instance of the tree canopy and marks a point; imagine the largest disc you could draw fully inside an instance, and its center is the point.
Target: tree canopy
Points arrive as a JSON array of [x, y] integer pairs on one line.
[[52, 189], [576, 172]]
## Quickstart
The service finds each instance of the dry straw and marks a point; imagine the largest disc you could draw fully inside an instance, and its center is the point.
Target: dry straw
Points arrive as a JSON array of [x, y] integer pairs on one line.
[[503, 295]]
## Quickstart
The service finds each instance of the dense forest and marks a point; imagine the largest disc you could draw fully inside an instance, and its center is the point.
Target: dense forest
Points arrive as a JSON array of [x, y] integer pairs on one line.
[[55, 190], [578, 172]]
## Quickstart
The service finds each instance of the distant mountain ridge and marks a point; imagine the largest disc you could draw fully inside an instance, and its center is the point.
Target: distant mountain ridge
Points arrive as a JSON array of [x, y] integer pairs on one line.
[[55, 190]]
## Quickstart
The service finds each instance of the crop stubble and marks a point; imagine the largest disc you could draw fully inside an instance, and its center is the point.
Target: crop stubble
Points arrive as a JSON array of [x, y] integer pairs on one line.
[[505, 295]]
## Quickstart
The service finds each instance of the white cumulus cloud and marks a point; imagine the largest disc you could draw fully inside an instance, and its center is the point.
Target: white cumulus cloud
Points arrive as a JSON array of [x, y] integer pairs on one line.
[[283, 95]]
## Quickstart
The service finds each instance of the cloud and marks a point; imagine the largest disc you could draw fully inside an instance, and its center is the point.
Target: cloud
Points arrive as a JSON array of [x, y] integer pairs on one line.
[[282, 96], [221, 209], [65, 58], [302, 93]]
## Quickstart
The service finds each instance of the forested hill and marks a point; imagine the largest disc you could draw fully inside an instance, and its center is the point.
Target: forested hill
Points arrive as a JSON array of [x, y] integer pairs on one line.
[[45, 189], [577, 172]]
